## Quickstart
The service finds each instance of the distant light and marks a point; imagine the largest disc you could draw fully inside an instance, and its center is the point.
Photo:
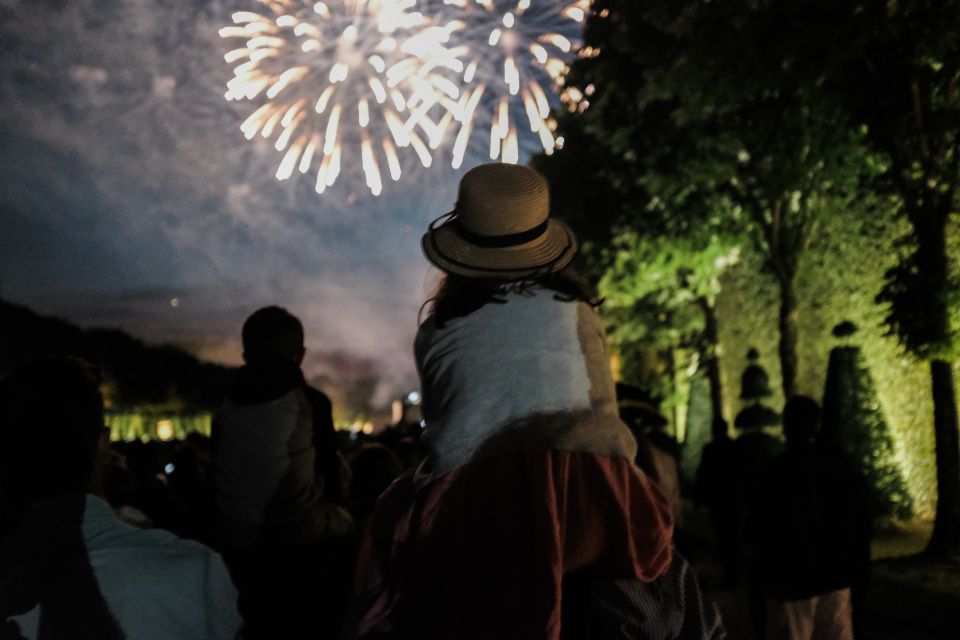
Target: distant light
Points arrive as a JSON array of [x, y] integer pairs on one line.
[[174, 302], [169, 468], [423, 424], [413, 397], [165, 430]]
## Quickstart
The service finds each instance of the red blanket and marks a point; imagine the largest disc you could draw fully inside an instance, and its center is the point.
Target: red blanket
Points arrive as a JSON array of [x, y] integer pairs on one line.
[[481, 552]]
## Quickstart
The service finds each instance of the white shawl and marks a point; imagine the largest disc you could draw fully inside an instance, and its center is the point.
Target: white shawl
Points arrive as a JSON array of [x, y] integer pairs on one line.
[[530, 373]]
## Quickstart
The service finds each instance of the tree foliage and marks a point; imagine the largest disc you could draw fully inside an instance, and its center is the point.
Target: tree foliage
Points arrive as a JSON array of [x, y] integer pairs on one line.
[[898, 76], [705, 113], [775, 116], [136, 375], [671, 278]]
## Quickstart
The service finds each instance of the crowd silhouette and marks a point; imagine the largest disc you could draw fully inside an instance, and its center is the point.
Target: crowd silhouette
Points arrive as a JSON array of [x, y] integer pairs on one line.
[[537, 500]]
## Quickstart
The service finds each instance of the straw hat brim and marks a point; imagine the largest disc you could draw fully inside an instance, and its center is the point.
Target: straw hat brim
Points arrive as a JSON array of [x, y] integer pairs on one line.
[[550, 252]]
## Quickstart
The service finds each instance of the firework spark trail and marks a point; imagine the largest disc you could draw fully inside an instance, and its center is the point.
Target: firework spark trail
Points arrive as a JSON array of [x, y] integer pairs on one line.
[[515, 53], [339, 77]]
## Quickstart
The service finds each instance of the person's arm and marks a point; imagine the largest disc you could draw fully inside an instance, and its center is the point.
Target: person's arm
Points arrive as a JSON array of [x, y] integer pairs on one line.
[[672, 607], [701, 618]]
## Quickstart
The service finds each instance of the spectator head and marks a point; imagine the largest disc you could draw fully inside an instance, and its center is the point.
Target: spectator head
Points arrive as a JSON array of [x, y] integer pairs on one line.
[[801, 419], [374, 468], [52, 428], [720, 429], [639, 409], [272, 334]]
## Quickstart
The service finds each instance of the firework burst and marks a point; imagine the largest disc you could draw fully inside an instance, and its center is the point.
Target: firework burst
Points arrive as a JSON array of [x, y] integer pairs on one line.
[[339, 81], [514, 54]]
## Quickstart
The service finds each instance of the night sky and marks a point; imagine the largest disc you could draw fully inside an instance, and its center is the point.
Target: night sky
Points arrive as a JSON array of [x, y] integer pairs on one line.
[[126, 183]]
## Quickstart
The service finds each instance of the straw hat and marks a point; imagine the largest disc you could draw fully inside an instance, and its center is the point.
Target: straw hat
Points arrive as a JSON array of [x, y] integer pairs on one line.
[[500, 227]]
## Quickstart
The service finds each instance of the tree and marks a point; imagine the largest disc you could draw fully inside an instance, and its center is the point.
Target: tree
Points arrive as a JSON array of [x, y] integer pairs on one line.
[[678, 279], [899, 74], [707, 109], [657, 247], [789, 110]]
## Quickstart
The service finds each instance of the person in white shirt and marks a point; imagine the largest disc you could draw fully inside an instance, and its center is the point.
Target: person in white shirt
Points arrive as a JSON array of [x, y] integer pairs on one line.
[[69, 568]]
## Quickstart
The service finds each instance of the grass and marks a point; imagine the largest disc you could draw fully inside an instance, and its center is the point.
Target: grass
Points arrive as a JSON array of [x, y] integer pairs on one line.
[[910, 597]]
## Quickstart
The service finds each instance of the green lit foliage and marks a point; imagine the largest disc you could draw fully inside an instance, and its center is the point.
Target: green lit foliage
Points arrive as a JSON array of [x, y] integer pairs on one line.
[[900, 76], [147, 424], [853, 419], [898, 72], [840, 277], [906, 295], [673, 276], [711, 111], [654, 237], [660, 292], [700, 110], [675, 271]]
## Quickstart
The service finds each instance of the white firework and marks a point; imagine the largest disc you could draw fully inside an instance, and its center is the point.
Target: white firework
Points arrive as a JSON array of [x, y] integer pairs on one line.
[[338, 81], [514, 54]]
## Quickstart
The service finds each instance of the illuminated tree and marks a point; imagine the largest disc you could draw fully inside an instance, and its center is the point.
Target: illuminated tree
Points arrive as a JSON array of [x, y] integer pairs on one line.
[[676, 282], [898, 71], [658, 247], [704, 110], [791, 111]]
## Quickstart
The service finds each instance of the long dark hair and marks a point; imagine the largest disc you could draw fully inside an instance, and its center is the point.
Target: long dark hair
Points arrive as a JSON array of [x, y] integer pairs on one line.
[[459, 296]]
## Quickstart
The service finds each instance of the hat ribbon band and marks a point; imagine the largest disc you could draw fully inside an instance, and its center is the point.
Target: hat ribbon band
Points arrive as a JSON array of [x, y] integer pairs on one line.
[[499, 242]]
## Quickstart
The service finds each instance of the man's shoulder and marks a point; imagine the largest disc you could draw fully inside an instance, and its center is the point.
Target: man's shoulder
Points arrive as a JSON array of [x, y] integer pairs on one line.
[[148, 543], [167, 542], [104, 532], [155, 580]]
